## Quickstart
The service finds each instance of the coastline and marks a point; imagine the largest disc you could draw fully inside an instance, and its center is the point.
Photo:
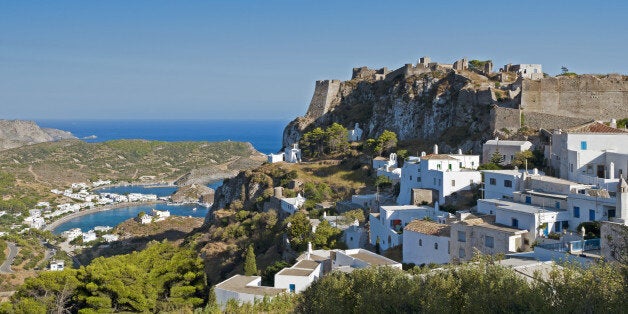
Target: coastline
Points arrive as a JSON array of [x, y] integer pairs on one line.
[[53, 225]]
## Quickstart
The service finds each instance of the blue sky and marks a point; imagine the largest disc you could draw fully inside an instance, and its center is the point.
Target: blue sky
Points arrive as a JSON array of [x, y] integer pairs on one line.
[[259, 59]]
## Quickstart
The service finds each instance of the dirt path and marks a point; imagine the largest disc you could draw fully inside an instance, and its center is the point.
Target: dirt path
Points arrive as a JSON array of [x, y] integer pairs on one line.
[[30, 169]]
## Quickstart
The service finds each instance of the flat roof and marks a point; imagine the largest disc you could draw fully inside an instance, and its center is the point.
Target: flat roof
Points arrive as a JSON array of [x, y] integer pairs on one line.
[[438, 157], [506, 142], [500, 227], [372, 258], [295, 272], [238, 283], [405, 207], [526, 208], [306, 264]]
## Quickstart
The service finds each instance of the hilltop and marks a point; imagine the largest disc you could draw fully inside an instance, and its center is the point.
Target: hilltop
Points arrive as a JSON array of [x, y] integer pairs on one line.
[[460, 105], [16, 133]]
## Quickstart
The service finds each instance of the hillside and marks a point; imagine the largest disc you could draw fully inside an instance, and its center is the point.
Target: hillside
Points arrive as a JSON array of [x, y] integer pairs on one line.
[[63, 162], [460, 105], [16, 133]]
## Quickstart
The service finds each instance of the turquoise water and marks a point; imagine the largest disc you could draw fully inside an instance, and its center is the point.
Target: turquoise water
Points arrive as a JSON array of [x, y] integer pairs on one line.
[[114, 217]]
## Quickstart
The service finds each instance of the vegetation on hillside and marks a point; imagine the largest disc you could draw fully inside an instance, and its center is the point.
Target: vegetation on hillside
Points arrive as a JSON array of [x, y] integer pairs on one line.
[[160, 278]]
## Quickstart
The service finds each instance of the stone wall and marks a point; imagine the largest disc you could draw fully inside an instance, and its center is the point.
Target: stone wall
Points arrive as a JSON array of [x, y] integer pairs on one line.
[[538, 120], [325, 93], [586, 96], [505, 118]]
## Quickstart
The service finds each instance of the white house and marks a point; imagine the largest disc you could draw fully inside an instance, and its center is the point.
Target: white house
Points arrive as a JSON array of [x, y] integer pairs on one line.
[[292, 204], [110, 237], [507, 150], [274, 158], [388, 168], [480, 234], [355, 134], [386, 227], [72, 234], [89, 236], [348, 260], [426, 242], [298, 277], [529, 71], [355, 237], [57, 265], [35, 222], [145, 219], [444, 174], [293, 155], [102, 228], [160, 215], [537, 220], [244, 289], [501, 184], [592, 153]]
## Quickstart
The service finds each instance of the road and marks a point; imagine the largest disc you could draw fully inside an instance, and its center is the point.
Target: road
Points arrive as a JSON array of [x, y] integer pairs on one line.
[[6, 266]]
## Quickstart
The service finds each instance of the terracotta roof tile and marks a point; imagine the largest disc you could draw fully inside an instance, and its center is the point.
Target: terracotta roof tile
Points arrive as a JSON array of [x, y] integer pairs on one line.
[[428, 227], [594, 127]]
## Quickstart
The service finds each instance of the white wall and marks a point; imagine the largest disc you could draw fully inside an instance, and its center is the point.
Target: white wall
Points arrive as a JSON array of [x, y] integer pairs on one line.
[[426, 252], [301, 282]]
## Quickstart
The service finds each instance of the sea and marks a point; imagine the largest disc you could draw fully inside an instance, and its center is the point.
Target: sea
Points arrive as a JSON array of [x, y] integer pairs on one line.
[[265, 135]]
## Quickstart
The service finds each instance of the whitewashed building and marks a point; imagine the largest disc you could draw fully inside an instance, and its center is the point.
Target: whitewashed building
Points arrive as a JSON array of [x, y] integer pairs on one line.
[[160, 215], [57, 265], [507, 150], [592, 153], [426, 242], [388, 168], [72, 234], [110, 237], [35, 222], [244, 289], [442, 173], [298, 277], [386, 227], [292, 204], [89, 236], [355, 135], [274, 158], [293, 155]]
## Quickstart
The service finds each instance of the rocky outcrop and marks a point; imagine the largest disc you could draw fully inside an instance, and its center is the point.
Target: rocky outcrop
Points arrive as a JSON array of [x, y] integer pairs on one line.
[[195, 193], [449, 108], [16, 133]]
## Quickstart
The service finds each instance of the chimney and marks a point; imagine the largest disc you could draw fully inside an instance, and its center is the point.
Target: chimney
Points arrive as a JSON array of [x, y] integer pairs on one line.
[[459, 151], [309, 250], [278, 192], [611, 170], [614, 123], [422, 154], [535, 171], [435, 149]]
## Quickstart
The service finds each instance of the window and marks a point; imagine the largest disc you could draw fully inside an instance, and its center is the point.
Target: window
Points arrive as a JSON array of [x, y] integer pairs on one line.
[[471, 182], [557, 205], [410, 178], [420, 242], [492, 181], [611, 213], [449, 167], [418, 179], [438, 167], [576, 212], [515, 223], [489, 241], [293, 287], [528, 200], [570, 167], [448, 248], [508, 183], [462, 236], [435, 246], [434, 181], [461, 253], [583, 145], [460, 165], [453, 182], [558, 227]]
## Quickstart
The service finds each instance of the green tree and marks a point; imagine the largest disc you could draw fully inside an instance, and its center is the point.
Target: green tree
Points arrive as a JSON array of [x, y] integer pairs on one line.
[[353, 215], [326, 236], [523, 158], [337, 138], [250, 266], [313, 143], [496, 157], [299, 230], [386, 142]]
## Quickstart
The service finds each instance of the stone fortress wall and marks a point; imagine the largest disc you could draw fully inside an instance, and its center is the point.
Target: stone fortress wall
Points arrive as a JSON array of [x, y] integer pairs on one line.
[[585, 96], [325, 93], [552, 102]]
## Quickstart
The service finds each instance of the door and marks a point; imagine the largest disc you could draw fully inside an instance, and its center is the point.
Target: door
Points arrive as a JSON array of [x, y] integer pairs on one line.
[[293, 287], [591, 215], [600, 171]]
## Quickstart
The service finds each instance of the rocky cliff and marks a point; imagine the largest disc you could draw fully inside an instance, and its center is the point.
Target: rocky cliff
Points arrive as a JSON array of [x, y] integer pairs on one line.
[[451, 108], [16, 133], [193, 193]]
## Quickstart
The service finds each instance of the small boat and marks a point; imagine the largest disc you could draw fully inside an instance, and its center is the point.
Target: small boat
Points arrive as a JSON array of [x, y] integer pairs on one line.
[[194, 209]]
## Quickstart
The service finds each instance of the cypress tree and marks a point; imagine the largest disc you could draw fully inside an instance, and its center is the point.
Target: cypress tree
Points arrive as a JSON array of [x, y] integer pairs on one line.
[[250, 267]]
